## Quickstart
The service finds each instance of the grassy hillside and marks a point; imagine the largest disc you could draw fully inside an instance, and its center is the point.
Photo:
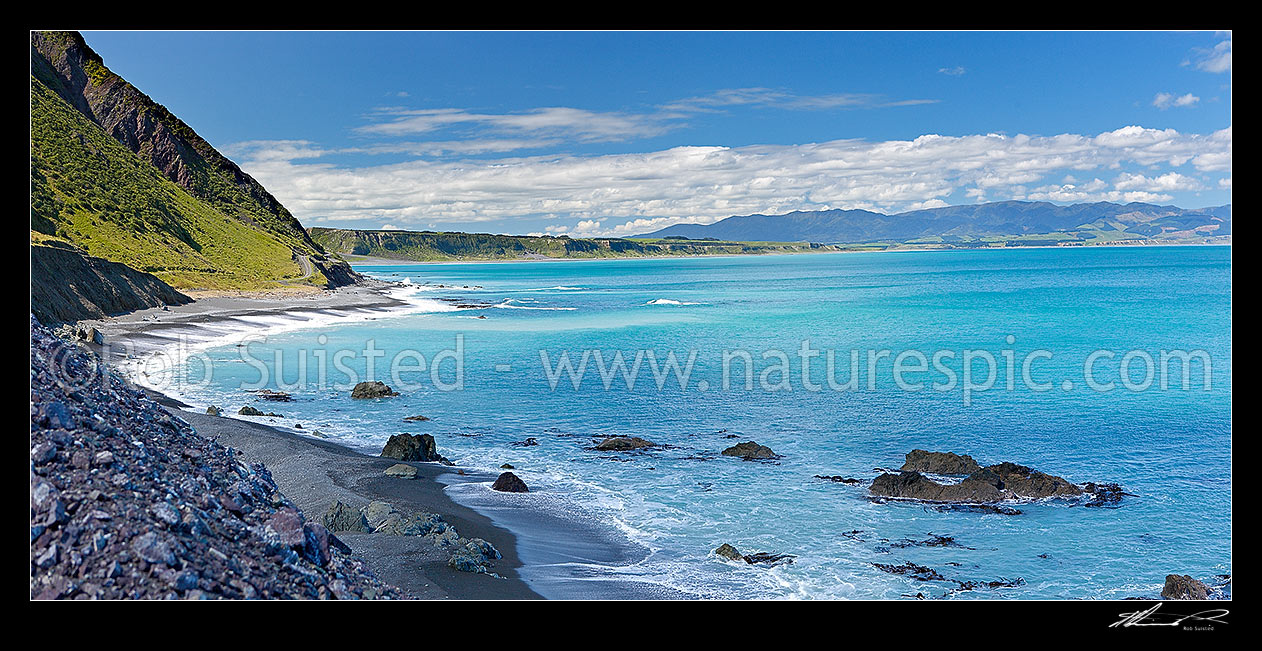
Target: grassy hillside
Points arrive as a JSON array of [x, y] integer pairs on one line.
[[118, 176], [428, 245], [89, 190]]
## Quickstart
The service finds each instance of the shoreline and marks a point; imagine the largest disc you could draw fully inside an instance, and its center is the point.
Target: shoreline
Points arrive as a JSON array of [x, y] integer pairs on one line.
[[539, 547]]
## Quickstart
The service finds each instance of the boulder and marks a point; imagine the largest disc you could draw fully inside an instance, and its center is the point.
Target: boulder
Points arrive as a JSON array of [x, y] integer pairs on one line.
[[473, 555], [411, 447], [940, 463], [729, 552], [990, 484], [383, 518], [1025, 482], [214, 411], [624, 443], [509, 483], [341, 517], [368, 390], [1184, 587], [250, 411], [749, 450], [416, 419], [402, 471]]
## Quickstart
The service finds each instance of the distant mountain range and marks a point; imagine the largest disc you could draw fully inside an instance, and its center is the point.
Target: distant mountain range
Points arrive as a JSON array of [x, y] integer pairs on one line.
[[1016, 222]]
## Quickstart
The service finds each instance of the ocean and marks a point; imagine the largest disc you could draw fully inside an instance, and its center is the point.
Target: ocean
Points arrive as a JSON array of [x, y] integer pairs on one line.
[[483, 343]]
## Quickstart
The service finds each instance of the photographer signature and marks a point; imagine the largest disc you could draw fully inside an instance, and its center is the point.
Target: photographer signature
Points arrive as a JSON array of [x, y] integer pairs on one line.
[[1150, 617]]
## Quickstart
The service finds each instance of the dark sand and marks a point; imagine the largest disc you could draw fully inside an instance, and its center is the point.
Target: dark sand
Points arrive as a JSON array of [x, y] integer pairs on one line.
[[315, 473]]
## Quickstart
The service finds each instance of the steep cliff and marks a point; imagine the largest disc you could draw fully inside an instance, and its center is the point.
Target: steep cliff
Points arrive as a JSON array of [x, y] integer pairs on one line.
[[119, 176]]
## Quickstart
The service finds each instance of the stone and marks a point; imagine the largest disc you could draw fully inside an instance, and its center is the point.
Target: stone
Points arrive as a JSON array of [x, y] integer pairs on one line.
[[285, 527], [214, 411], [341, 517], [153, 549], [749, 450], [416, 419], [940, 463], [369, 390], [401, 470], [509, 483], [250, 411], [1184, 587], [473, 555], [729, 552], [624, 443], [411, 447]]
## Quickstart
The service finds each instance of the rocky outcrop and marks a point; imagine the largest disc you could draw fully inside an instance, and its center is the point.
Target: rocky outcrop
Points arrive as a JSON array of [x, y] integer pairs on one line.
[[369, 390], [728, 552], [415, 419], [128, 502], [624, 443], [473, 555], [251, 411], [68, 286], [412, 447], [509, 483], [940, 463], [994, 483], [749, 450], [1184, 587], [915, 486], [214, 411]]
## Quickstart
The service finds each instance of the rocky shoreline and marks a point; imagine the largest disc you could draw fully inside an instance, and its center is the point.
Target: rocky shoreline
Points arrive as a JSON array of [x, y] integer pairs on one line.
[[131, 500]]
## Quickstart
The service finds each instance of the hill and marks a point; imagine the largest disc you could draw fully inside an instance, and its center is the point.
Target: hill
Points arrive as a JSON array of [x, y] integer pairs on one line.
[[429, 245], [1015, 222], [117, 176]]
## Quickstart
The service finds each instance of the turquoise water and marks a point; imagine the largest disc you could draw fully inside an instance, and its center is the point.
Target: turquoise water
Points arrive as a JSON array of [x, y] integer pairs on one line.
[[1171, 447]]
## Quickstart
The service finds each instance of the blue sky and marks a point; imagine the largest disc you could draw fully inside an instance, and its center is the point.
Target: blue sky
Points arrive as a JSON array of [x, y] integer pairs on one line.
[[623, 133]]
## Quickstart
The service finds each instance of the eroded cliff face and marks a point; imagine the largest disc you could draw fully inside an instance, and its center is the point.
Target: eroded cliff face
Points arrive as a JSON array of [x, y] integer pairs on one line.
[[68, 286], [64, 62]]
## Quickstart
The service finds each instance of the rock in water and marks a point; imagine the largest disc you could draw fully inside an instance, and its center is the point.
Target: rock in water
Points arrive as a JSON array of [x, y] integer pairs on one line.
[[990, 484], [250, 411], [749, 450], [214, 411], [366, 390], [411, 447], [1184, 587], [401, 470], [624, 443], [729, 552], [416, 419], [509, 483], [341, 517], [940, 463]]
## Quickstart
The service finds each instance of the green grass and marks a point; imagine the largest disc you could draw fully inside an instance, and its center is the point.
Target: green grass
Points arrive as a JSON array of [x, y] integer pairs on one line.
[[91, 191]]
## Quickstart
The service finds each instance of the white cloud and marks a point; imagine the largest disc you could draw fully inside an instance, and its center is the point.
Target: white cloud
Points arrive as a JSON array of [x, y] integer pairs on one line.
[[1225, 183], [1215, 59], [954, 71], [781, 99], [620, 194], [389, 227], [580, 124], [1164, 101], [1169, 182]]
